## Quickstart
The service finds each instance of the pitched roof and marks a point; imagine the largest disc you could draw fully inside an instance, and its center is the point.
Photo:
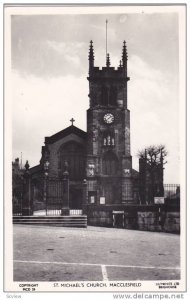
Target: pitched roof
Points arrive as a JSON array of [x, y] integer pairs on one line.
[[63, 133], [35, 169]]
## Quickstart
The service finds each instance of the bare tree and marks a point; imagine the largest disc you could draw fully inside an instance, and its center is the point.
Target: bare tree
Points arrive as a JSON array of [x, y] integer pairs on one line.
[[154, 155], [151, 165]]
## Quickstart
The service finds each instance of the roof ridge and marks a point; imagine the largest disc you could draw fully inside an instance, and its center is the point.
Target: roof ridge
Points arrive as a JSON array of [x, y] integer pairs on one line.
[[66, 131]]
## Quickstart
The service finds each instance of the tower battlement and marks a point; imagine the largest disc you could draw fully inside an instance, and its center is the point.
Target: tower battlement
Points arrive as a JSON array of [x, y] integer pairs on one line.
[[110, 72]]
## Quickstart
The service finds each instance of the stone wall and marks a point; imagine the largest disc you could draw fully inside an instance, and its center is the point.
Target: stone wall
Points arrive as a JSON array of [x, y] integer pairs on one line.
[[160, 218]]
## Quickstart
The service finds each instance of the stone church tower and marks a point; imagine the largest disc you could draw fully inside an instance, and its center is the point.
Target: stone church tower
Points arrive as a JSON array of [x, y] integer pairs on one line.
[[109, 161]]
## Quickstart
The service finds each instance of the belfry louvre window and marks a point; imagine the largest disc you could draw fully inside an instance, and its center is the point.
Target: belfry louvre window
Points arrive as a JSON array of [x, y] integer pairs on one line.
[[104, 96], [74, 154], [109, 163], [113, 96], [108, 95]]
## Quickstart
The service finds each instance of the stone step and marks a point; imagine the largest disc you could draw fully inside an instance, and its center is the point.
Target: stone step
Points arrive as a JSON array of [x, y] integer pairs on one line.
[[53, 224], [80, 225], [65, 221], [49, 218], [41, 220], [48, 221]]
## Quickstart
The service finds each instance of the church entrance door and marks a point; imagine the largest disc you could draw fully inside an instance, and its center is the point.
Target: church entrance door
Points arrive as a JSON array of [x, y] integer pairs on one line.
[[75, 198]]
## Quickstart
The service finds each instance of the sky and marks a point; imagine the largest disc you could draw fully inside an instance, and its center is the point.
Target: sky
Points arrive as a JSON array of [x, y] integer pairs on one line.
[[49, 61]]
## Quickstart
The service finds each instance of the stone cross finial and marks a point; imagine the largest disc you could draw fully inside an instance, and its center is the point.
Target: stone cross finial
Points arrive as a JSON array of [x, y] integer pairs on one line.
[[72, 121]]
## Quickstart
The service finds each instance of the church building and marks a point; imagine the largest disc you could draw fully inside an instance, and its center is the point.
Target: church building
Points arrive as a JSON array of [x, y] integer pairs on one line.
[[99, 158]]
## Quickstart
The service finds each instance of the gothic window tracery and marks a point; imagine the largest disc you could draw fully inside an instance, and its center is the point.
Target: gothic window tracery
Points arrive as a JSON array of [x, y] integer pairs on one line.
[[108, 95], [113, 96], [104, 95], [74, 154]]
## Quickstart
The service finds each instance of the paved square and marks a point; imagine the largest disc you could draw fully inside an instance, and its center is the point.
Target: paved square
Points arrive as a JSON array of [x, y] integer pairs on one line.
[[94, 254]]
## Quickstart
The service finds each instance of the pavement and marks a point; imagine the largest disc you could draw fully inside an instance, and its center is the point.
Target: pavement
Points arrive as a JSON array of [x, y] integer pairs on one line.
[[46, 253]]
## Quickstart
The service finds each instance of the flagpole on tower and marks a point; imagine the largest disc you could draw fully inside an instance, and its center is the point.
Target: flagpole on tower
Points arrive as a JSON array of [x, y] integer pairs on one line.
[[106, 38]]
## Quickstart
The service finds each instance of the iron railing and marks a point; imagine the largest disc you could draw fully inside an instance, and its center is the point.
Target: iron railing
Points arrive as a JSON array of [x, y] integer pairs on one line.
[[172, 191]]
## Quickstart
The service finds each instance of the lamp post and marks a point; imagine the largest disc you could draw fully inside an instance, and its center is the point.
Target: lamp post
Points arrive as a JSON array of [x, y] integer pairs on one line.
[[84, 198], [46, 169], [26, 201], [65, 203]]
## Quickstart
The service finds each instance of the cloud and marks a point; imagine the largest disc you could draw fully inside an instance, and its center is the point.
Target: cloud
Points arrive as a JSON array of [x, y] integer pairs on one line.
[[49, 58]]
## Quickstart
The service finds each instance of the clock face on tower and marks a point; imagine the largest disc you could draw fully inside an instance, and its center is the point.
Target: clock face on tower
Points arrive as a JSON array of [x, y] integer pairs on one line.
[[108, 118]]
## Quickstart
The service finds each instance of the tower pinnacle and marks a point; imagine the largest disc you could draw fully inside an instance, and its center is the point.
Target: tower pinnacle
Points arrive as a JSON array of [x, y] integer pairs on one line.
[[108, 60], [91, 55], [124, 55]]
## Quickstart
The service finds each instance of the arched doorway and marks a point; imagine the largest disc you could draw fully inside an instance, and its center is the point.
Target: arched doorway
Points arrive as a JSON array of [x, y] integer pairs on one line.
[[74, 154]]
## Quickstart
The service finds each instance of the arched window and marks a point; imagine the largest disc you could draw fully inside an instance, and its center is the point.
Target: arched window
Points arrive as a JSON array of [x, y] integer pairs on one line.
[[108, 139], [110, 163], [74, 154]]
